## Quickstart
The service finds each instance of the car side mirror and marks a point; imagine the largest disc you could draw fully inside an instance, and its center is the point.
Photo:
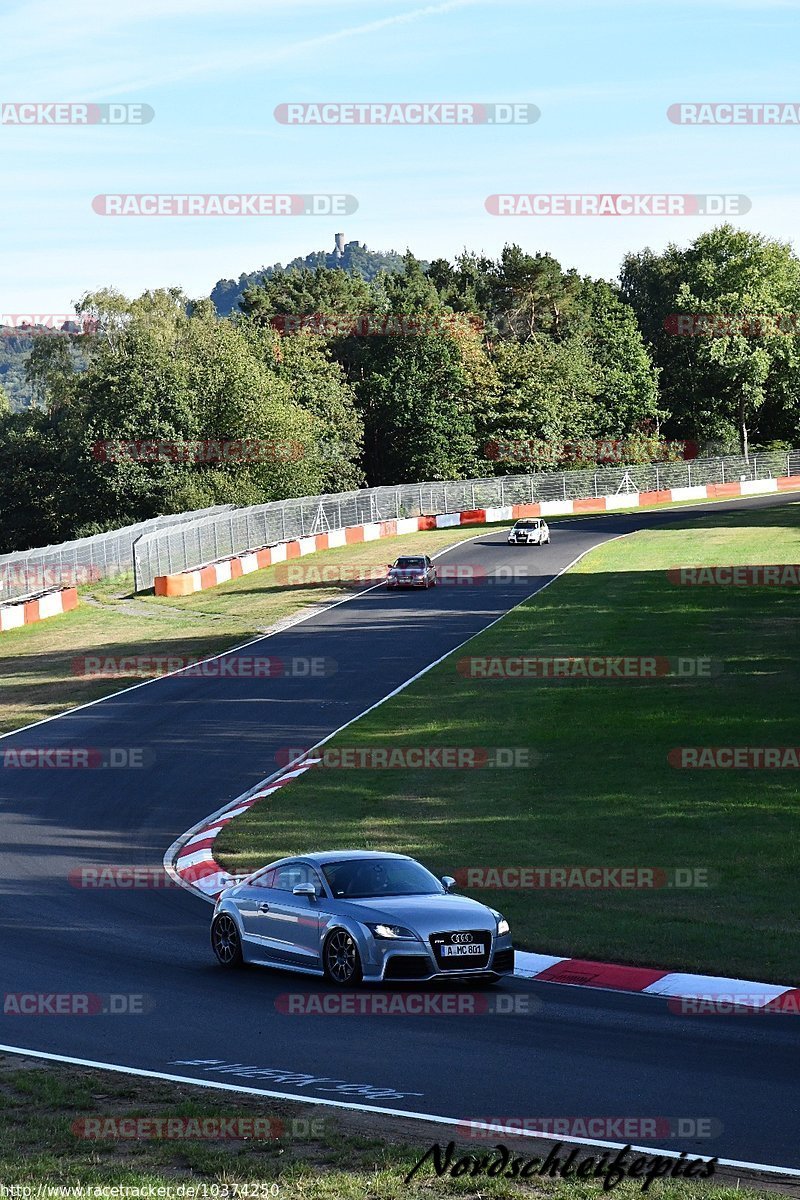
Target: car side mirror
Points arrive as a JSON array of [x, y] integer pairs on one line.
[[448, 883], [305, 889]]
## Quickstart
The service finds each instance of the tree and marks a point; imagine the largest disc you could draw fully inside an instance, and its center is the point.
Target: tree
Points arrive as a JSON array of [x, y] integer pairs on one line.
[[418, 411], [741, 375]]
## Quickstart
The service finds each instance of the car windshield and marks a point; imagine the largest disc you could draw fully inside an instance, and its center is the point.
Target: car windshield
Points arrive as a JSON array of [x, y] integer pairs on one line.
[[359, 878], [525, 525], [406, 564]]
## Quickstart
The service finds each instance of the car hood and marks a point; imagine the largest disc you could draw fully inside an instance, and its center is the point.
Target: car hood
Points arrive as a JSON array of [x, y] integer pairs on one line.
[[423, 914]]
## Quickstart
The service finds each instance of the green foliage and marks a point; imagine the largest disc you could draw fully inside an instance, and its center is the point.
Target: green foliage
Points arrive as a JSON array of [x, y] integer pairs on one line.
[[357, 368], [722, 384], [356, 261]]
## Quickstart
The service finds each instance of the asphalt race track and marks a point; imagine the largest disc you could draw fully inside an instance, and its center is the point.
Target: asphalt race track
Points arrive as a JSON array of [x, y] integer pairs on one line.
[[578, 1053]]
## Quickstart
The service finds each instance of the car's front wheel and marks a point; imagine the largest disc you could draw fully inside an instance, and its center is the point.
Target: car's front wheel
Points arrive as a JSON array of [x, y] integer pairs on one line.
[[342, 961], [225, 941]]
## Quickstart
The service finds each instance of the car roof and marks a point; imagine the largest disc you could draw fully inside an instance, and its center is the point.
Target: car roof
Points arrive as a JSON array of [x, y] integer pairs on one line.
[[327, 856]]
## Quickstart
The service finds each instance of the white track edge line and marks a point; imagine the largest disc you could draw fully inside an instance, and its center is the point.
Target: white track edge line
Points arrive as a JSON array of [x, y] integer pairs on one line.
[[429, 1118], [262, 637], [174, 850], [345, 599]]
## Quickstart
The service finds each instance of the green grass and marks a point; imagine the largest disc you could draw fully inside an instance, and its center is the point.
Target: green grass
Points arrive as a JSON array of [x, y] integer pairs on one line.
[[602, 791], [37, 679], [334, 1155], [37, 675]]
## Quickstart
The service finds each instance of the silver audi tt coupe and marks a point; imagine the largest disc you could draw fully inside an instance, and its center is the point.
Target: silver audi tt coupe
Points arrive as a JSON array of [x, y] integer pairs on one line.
[[355, 915]]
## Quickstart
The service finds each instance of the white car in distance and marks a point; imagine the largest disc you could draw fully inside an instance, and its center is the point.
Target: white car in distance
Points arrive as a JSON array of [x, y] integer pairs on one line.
[[530, 531]]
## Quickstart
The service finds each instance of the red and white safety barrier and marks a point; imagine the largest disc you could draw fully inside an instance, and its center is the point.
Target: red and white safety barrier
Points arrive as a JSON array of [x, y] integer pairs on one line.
[[713, 993], [195, 864], [26, 612], [687, 994], [184, 583]]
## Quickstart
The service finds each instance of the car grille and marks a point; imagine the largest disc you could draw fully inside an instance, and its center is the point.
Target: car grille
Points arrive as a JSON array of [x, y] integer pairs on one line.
[[503, 960], [460, 959], [407, 966]]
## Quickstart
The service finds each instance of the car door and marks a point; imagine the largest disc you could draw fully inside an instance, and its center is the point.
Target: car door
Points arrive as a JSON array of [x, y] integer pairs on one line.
[[250, 901], [289, 924]]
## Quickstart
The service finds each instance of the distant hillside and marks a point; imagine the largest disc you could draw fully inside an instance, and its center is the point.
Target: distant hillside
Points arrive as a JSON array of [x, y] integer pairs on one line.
[[350, 256]]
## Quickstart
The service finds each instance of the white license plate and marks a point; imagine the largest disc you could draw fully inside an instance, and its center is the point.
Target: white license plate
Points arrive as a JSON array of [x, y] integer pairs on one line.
[[453, 951]]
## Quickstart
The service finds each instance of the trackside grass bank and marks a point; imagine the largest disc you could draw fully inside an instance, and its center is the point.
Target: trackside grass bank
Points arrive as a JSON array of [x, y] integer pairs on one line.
[[40, 664], [712, 854], [106, 1136]]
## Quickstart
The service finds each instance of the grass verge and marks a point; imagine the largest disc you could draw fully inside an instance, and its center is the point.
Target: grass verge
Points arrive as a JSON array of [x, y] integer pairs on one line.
[[602, 791], [314, 1153]]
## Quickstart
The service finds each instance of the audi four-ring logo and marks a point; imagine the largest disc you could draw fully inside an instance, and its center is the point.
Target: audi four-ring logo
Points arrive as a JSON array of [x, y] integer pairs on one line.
[[462, 937]]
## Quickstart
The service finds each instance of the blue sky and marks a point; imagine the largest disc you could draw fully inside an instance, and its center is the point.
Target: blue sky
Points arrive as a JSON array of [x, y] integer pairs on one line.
[[603, 75]]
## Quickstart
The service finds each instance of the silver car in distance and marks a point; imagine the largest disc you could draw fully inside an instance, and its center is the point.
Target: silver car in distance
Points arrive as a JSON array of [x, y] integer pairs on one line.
[[412, 570], [354, 915]]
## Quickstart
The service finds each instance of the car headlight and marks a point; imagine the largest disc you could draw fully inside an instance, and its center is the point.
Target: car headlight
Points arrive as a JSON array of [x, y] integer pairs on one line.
[[389, 932], [503, 927]]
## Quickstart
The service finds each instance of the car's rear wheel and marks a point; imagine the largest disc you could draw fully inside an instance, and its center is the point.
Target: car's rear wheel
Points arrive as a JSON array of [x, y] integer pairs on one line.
[[225, 941], [341, 959]]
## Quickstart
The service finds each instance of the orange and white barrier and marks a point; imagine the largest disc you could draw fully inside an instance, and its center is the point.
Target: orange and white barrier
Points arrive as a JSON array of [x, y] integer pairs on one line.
[[16, 613], [186, 582]]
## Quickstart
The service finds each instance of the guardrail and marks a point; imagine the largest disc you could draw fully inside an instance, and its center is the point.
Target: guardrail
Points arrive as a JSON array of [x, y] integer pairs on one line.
[[84, 560], [167, 544], [201, 541]]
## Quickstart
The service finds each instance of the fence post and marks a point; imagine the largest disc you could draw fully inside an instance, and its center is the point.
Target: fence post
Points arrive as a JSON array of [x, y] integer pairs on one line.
[[755, 466], [136, 577]]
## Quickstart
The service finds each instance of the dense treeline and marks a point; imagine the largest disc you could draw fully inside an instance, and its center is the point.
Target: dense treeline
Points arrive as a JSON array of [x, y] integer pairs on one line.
[[326, 380]]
